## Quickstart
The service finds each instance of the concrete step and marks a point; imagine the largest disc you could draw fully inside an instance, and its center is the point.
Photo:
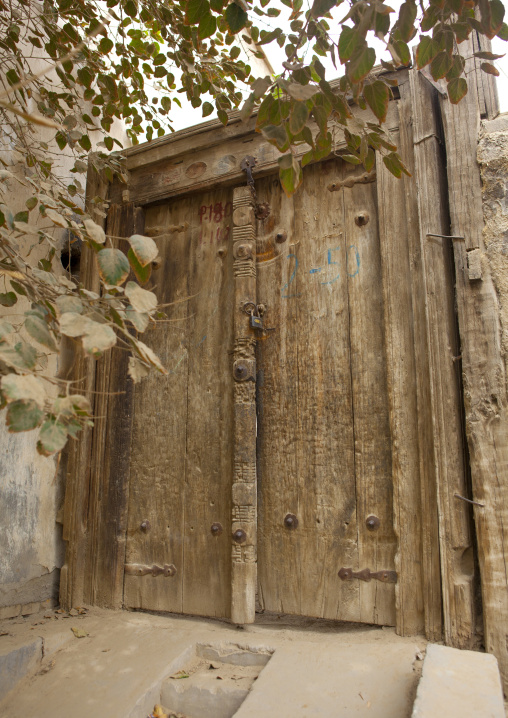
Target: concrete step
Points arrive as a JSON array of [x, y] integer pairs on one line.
[[339, 681], [459, 684], [214, 683]]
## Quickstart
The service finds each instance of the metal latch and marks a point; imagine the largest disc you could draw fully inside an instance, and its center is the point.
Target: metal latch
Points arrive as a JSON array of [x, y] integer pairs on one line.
[[347, 574], [261, 210], [139, 569]]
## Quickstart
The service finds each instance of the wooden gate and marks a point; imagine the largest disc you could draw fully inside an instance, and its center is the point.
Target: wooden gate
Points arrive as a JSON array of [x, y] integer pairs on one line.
[[324, 479], [306, 446]]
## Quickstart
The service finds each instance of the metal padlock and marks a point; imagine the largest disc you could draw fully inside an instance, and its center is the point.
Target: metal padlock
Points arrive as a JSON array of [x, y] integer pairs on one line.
[[256, 322]]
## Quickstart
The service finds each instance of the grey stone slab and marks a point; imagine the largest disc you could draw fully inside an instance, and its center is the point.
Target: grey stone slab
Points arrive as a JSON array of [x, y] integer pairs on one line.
[[459, 684], [308, 680], [17, 663]]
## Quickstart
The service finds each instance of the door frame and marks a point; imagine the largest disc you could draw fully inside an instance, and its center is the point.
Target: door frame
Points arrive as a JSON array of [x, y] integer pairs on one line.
[[425, 510]]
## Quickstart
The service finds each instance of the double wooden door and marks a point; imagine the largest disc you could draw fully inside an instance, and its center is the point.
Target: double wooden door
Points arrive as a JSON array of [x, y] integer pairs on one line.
[[324, 517]]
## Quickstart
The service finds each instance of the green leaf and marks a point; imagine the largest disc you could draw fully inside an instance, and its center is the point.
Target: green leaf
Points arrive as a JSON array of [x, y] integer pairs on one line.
[[377, 96], [322, 7], [223, 117], [85, 143], [207, 26], [260, 86], [113, 266], [370, 160], [425, 52], [12, 77], [457, 89], [106, 45], [440, 65], [61, 140], [402, 51], [141, 300], [98, 339], [236, 17], [290, 173], [139, 320], [21, 217], [298, 118], [352, 159], [302, 92], [69, 303], [268, 37], [348, 42], [25, 387], [94, 231], [18, 288], [487, 56], [39, 330], [276, 135], [406, 21], [503, 32], [23, 416], [131, 8], [195, 10], [361, 63], [8, 299], [394, 165], [31, 203], [144, 248], [457, 67], [248, 107], [207, 109], [489, 69], [142, 273], [52, 437], [497, 12]]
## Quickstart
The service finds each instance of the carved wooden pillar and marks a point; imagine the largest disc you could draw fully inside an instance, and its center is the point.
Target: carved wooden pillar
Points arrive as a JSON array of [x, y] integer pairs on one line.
[[244, 489]]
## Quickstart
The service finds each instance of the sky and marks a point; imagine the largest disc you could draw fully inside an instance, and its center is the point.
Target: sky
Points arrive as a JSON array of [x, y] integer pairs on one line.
[[188, 116]]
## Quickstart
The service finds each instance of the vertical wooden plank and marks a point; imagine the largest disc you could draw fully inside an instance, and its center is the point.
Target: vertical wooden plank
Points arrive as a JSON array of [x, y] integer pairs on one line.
[[181, 478], [324, 433], [487, 95], [72, 578], [277, 403], [158, 454], [483, 371], [370, 415], [418, 598], [455, 540], [207, 490], [244, 488], [110, 464], [324, 444]]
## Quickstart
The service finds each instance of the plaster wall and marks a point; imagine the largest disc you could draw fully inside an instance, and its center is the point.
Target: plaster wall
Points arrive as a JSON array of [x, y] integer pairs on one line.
[[493, 161]]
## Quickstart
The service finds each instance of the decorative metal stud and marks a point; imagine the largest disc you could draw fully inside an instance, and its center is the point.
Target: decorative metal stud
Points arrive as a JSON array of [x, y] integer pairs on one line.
[[372, 522], [216, 529], [239, 536], [291, 522]]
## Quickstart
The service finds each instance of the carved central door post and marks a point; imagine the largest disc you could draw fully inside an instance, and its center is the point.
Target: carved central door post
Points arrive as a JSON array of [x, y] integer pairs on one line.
[[244, 489]]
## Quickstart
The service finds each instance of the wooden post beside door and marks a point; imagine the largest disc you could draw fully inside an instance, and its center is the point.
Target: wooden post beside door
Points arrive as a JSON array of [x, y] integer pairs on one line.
[[244, 489]]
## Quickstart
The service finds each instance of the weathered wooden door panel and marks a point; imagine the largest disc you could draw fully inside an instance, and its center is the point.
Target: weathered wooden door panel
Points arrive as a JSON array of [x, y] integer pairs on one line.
[[323, 431], [181, 463]]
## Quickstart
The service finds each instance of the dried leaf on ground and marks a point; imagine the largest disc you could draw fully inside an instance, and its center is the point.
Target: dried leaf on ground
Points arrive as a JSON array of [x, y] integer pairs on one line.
[[79, 632]]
